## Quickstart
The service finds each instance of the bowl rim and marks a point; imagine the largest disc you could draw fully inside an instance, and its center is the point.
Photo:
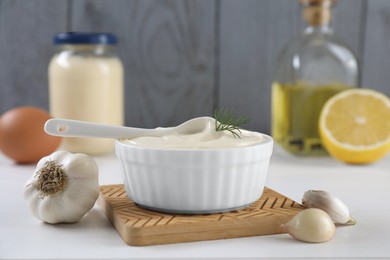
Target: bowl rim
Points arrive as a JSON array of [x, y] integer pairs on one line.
[[268, 141]]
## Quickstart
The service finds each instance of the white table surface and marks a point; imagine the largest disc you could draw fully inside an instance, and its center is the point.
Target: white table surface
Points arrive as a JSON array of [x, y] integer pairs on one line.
[[365, 189]]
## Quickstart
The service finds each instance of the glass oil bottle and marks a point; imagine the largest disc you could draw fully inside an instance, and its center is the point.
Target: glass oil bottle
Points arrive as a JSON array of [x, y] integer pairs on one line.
[[309, 71]]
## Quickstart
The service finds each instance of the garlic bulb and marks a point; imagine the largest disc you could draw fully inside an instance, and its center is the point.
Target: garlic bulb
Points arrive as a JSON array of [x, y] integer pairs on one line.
[[63, 188], [336, 209], [311, 225]]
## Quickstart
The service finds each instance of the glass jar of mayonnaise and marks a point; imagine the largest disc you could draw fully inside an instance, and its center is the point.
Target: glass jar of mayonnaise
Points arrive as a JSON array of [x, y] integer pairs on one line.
[[86, 83]]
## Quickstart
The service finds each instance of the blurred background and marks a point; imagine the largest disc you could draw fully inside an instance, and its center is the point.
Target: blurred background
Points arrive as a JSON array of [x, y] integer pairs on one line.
[[186, 58]]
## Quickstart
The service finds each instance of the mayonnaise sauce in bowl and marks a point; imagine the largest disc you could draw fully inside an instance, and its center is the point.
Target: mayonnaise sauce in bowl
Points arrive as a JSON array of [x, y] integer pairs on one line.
[[201, 133], [194, 169]]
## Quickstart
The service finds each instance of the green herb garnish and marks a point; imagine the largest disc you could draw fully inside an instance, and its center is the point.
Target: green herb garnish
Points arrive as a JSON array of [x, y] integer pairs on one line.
[[226, 120]]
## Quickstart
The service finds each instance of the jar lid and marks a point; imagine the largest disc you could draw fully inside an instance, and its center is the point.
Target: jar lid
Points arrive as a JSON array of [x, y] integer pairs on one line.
[[85, 38]]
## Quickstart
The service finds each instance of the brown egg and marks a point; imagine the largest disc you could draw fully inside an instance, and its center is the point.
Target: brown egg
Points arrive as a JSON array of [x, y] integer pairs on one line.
[[22, 137]]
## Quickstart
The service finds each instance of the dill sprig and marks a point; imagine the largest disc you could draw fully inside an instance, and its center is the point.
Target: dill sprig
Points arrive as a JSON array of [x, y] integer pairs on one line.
[[226, 120]]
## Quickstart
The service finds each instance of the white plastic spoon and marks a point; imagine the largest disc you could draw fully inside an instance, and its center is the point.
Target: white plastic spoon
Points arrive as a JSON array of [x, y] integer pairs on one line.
[[75, 128]]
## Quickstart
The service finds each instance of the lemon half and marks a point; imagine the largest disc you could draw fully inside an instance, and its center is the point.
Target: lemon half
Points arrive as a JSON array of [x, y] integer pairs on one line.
[[354, 126]]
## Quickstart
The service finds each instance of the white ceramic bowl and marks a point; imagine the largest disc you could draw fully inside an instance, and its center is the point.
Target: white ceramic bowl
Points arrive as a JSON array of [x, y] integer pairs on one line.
[[198, 181]]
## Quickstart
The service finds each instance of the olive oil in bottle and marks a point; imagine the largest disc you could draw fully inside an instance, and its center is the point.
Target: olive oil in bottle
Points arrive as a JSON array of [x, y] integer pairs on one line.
[[310, 70]]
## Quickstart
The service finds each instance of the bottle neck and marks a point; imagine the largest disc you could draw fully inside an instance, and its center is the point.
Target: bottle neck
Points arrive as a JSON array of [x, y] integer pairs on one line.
[[319, 29]]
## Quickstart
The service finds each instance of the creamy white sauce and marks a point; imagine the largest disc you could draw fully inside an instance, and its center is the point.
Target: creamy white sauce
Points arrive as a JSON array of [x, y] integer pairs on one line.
[[88, 88], [198, 133]]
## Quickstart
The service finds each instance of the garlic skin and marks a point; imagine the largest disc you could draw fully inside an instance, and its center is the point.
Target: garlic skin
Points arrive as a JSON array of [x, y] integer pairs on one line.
[[63, 187], [336, 209], [311, 225]]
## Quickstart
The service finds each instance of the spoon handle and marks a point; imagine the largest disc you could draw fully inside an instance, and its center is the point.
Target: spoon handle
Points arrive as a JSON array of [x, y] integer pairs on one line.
[[75, 128]]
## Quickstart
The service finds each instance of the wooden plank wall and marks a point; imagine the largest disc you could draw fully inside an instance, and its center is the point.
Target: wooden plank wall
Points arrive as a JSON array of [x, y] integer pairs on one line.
[[183, 58]]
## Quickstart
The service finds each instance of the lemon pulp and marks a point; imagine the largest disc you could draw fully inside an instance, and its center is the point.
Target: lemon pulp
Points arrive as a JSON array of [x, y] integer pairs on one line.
[[355, 126]]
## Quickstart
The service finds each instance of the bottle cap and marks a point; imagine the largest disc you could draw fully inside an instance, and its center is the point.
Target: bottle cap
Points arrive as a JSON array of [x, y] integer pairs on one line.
[[85, 38], [317, 2], [317, 12]]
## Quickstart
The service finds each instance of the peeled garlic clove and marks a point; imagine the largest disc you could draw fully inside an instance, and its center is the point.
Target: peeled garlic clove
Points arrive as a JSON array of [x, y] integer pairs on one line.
[[311, 225], [336, 209]]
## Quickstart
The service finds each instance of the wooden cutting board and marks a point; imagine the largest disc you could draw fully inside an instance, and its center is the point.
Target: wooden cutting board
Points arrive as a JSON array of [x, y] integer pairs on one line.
[[140, 227]]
